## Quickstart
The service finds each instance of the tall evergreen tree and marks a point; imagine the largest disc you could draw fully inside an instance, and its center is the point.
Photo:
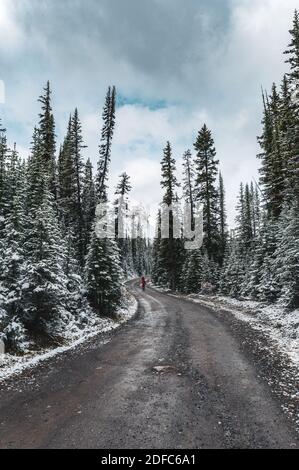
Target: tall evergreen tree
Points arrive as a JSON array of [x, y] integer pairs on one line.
[[273, 167], [243, 219], [105, 145], [35, 176], [78, 165], [192, 272], [255, 209], [206, 190], [3, 161], [292, 154], [13, 271], [188, 183], [88, 202], [171, 249], [288, 111], [45, 295], [276, 187], [66, 179], [222, 218], [232, 275], [14, 176], [265, 141], [12, 278], [103, 275], [47, 137], [285, 261], [121, 230], [293, 49], [157, 268]]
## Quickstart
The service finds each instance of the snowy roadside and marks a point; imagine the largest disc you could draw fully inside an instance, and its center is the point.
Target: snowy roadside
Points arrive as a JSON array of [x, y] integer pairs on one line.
[[13, 365]]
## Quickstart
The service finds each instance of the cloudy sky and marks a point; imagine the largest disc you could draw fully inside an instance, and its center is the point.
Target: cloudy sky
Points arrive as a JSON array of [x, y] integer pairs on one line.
[[176, 64]]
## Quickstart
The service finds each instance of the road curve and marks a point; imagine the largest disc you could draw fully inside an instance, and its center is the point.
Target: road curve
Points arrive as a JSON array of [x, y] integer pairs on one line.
[[109, 395]]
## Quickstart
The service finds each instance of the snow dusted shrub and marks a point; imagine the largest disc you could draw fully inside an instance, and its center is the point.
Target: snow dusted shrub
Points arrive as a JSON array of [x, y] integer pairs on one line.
[[15, 336], [103, 275]]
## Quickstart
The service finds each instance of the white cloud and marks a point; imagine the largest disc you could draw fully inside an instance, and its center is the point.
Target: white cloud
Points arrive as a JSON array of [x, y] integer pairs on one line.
[[141, 134], [210, 61], [259, 34], [10, 33]]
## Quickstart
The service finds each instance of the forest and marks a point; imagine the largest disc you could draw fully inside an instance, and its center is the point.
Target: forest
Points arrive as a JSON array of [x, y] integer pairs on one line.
[[56, 271], [259, 258]]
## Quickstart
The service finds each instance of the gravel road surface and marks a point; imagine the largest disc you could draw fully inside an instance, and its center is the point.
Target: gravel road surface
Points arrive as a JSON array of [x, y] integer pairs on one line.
[[173, 377]]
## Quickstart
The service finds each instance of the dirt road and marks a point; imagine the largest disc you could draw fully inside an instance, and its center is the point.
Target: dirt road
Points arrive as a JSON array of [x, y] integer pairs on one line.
[[111, 396]]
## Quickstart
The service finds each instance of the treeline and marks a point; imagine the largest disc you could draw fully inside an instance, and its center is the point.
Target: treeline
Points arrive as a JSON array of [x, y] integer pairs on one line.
[[55, 271], [174, 266], [260, 258]]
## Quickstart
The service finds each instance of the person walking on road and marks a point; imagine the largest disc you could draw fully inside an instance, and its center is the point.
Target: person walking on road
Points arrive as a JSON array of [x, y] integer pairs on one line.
[[143, 283]]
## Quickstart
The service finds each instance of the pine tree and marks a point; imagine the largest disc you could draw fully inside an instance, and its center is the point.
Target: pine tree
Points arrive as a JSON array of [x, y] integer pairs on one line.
[[285, 261], [192, 272], [293, 49], [103, 272], [35, 176], [247, 230], [70, 178], [141, 263], [232, 275], [206, 191], [13, 176], [188, 183], [287, 131], [3, 160], [267, 288], [46, 295], [66, 179], [122, 191], [272, 170], [105, 146], [255, 209], [47, 138], [171, 249], [88, 203], [76, 303], [78, 165], [169, 180], [244, 219], [13, 260], [265, 141], [222, 218], [157, 268], [121, 230], [292, 154], [103, 277]]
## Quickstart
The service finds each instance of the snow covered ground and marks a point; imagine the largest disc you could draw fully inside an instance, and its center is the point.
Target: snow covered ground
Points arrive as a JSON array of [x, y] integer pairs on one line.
[[12, 364]]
